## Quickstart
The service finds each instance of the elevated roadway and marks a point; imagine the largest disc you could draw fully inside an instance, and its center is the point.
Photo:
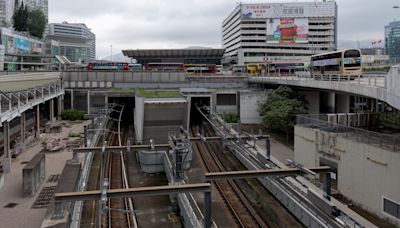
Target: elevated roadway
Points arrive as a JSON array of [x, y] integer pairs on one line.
[[381, 87], [20, 92]]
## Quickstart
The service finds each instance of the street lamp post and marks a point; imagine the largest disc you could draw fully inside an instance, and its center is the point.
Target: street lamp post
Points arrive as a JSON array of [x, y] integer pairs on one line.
[[111, 51]]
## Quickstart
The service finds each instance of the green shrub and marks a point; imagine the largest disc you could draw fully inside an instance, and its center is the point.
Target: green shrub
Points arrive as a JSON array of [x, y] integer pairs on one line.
[[231, 118], [72, 114]]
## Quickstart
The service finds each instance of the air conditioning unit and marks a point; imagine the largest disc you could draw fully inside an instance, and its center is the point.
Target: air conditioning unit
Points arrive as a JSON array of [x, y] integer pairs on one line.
[[352, 120], [342, 119]]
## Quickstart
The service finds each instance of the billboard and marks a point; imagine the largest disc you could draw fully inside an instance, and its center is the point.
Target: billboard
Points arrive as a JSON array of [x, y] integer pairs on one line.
[[288, 10], [287, 30], [22, 45]]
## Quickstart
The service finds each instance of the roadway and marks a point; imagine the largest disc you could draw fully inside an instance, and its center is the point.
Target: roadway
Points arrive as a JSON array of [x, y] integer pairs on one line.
[[380, 87]]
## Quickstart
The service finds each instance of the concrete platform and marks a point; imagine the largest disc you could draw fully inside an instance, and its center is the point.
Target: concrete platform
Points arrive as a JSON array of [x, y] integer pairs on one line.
[[22, 215]]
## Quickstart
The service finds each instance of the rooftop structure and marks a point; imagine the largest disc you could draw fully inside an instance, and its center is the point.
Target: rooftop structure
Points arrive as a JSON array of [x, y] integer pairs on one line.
[[206, 55]]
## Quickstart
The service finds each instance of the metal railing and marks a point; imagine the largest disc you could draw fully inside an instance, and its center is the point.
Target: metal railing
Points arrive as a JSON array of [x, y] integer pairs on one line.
[[376, 139], [377, 80]]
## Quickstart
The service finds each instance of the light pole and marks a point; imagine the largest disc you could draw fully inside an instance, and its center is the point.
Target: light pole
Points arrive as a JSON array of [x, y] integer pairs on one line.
[[111, 51]]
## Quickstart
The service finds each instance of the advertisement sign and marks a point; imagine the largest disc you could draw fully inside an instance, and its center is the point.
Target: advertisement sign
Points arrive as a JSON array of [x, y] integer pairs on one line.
[[326, 62], [287, 30], [22, 44], [256, 10], [10, 45], [36, 48], [352, 61], [288, 10]]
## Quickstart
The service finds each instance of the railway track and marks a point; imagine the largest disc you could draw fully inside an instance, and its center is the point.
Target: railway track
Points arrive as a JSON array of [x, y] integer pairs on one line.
[[238, 205], [117, 212]]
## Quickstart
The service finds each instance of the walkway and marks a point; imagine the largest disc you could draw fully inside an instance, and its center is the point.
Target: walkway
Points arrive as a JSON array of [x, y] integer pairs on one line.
[[22, 214]]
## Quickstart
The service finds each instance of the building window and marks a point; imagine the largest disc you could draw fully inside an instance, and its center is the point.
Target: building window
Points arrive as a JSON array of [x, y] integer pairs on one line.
[[391, 208]]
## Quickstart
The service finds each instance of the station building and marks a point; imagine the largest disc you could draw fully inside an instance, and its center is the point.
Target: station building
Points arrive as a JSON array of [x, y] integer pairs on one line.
[[279, 32]]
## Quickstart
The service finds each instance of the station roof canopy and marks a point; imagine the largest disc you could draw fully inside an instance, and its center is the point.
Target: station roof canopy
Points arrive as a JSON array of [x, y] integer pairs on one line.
[[190, 55]]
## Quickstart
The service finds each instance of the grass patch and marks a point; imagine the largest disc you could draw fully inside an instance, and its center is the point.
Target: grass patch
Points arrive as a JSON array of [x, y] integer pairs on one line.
[[72, 114], [158, 93]]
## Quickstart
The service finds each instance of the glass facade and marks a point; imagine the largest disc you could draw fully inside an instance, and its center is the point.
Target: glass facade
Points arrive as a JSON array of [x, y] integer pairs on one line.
[[392, 41]]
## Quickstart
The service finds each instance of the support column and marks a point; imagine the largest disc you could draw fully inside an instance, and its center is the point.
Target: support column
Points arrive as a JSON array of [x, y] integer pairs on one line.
[[7, 149], [37, 122], [23, 127], [343, 103], [326, 182], [51, 110], [60, 106], [207, 209], [88, 102], [331, 102], [105, 100], [72, 99]]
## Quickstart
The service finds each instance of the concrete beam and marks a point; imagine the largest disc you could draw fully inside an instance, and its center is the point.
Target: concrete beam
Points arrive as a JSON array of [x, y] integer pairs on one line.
[[262, 173], [121, 148], [133, 192]]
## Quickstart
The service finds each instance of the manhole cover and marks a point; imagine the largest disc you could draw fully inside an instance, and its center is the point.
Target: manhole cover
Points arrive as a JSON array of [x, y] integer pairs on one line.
[[44, 198], [10, 205]]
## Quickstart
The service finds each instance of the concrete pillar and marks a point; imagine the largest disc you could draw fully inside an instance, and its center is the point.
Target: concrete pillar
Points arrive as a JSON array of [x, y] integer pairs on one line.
[[72, 99], [7, 149], [37, 122], [105, 100], [343, 103], [51, 110], [331, 102], [23, 127], [60, 106], [88, 102]]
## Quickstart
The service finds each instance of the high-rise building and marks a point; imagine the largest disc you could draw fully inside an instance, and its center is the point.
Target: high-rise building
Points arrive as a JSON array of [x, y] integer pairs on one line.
[[70, 33], [279, 32], [392, 41], [6, 12], [38, 4]]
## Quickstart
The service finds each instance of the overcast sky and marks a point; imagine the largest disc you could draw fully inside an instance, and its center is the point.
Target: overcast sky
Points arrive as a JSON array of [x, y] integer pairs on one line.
[[133, 24]]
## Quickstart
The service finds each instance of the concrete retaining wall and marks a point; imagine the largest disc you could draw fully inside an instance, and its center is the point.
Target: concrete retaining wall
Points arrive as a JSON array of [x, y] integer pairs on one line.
[[34, 174], [366, 174]]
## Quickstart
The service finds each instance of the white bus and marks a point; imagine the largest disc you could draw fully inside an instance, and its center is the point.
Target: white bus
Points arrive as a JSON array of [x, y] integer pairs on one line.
[[344, 63]]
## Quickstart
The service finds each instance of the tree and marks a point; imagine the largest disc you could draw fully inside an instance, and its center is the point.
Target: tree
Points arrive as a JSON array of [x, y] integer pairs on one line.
[[36, 23], [20, 18], [280, 108]]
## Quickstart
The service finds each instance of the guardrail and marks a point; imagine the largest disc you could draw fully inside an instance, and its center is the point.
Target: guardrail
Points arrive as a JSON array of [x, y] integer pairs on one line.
[[376, 139]]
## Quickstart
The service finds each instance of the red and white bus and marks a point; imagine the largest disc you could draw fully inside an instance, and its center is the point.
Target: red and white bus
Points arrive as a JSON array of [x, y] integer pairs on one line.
[[164, 67], [108, 66]]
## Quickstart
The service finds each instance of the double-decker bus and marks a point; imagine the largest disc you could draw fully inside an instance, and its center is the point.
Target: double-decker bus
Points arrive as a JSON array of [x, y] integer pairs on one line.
[[200, 68], [110, 66], [164, 67], [344, 63], [135, 67]]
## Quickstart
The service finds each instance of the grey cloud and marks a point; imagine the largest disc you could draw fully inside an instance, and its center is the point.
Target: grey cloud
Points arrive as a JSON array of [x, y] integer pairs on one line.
[[180, 23]]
